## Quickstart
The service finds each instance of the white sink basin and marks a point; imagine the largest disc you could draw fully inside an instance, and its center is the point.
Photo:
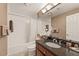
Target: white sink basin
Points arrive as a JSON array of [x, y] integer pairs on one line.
[[53, 45]]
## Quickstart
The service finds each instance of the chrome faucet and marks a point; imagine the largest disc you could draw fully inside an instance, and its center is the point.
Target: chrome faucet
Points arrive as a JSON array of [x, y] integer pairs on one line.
[[54, 40]]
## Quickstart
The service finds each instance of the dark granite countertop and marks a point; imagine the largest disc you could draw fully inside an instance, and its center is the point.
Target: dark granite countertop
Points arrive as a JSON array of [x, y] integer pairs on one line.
[[58, 51]]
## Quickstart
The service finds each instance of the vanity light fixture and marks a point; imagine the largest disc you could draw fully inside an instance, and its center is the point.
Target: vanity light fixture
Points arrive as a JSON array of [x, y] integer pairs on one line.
[[43, 10], [49, 6]]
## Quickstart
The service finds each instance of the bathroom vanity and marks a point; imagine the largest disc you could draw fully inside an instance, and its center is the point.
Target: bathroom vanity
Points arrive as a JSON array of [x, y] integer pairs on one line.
[[44, 50]]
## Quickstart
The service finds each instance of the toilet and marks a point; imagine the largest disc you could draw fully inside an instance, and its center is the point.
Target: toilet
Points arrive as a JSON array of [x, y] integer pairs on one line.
[[31, 49]]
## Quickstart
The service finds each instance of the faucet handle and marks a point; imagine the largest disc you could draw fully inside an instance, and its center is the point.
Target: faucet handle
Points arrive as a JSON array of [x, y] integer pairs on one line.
[[68, 44], [76, 45]]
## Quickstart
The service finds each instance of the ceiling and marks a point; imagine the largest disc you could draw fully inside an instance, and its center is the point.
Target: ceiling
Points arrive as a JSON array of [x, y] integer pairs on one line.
[[25, 8], [33, 8], [62, 8]]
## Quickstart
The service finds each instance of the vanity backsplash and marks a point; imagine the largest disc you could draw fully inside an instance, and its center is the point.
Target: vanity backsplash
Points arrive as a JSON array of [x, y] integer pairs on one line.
[[64, 42]]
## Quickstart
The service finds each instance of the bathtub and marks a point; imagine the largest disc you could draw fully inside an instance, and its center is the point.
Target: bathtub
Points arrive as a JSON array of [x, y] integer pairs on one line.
[[25, 49]]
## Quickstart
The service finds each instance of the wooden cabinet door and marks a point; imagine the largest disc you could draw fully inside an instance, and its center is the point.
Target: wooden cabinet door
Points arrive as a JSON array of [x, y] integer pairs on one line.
[[42, 51], [39, 53], [48, 53]]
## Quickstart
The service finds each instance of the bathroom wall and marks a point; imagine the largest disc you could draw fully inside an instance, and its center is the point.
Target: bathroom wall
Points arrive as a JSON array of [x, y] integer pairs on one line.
[[3, 21], [60, 23], [42, 21]]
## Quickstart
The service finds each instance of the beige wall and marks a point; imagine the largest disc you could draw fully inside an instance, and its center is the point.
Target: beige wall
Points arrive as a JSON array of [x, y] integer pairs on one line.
[[60, 23], [3, 21]]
